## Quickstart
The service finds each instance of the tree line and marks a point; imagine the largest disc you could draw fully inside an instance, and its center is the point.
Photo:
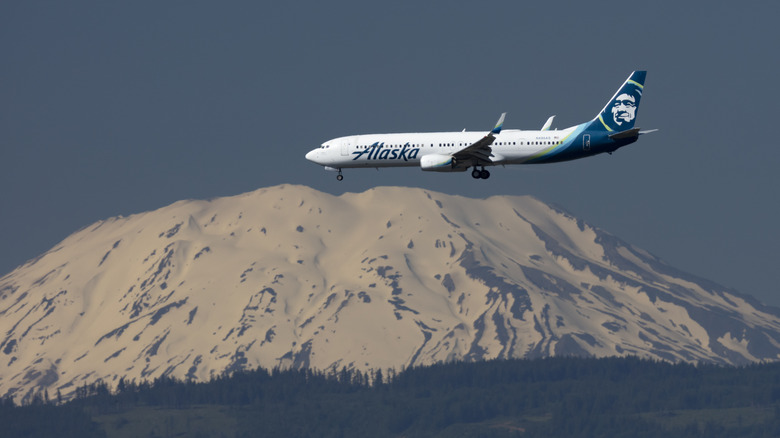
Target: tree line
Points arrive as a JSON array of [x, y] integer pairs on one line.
[[608, 397]]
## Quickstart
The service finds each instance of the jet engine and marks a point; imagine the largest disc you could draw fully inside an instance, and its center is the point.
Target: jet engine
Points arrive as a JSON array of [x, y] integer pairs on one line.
[[439, 163]]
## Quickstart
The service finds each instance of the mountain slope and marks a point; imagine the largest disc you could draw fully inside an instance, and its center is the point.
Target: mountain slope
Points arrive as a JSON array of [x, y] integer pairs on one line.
[[392, 277]]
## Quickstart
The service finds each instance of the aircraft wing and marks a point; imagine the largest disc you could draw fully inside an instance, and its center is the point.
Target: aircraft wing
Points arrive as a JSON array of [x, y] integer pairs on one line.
[[480, 150]]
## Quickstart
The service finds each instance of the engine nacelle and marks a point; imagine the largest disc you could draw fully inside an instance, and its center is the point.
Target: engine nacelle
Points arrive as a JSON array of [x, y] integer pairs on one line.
[[439, 163]]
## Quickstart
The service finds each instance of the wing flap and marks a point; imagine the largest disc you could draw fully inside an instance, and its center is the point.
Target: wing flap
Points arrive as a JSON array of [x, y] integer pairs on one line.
[[480, 150]]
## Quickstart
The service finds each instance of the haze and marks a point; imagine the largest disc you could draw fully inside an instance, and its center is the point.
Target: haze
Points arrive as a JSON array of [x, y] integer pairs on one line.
[[116, 108]]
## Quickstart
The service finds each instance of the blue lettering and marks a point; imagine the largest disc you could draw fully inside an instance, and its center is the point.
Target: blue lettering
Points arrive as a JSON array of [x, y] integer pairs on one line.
[[359, 154], [374, 147], [402, 154], [377, 152]]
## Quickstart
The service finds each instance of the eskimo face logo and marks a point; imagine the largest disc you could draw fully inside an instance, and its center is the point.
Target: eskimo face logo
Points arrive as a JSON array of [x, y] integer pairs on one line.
[[623, 109]]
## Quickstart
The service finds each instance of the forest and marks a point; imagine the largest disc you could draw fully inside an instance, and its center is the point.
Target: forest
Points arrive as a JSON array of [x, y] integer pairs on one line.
[[552, 397]]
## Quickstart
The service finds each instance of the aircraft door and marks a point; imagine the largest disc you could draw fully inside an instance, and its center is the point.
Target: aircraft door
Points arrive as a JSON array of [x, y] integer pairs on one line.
[[586, 142], [346, 145]]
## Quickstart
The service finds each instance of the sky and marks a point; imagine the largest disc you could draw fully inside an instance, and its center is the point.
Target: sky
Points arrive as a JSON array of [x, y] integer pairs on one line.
[[116, 108]]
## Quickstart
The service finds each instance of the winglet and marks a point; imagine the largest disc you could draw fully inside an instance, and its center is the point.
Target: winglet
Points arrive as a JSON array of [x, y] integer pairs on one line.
[[499, 124], [548, 123]]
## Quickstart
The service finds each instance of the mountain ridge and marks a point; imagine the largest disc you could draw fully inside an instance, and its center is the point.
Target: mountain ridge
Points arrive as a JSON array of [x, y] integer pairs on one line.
[[388, 278]]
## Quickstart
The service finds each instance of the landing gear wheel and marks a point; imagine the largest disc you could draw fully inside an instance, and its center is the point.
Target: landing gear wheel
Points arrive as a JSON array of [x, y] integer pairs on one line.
[[339, 176], [480, 174]]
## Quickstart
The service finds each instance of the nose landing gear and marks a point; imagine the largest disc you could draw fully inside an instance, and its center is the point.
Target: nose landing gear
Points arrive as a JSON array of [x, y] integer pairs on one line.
[[480, 174], [339, 176]]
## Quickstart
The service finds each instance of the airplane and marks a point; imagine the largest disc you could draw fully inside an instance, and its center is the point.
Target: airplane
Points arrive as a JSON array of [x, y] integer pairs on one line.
[[610, 130]]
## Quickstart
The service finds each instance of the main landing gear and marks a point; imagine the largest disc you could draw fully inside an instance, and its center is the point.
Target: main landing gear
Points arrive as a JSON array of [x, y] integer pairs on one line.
[[339, 176], [480, 174]]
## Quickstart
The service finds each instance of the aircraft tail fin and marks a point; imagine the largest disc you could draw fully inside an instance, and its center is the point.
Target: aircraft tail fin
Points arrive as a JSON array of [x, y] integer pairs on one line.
[[621, 110]]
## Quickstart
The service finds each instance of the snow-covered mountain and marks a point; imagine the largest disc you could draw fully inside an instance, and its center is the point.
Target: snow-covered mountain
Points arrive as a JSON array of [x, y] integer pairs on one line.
[[389, 278]]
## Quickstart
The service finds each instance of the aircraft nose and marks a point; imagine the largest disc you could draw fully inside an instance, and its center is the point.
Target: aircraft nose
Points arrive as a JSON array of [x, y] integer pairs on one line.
[[312, 155]]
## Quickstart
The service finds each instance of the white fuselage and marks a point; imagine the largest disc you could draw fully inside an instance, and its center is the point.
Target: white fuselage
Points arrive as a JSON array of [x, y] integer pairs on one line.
[[511, 146]]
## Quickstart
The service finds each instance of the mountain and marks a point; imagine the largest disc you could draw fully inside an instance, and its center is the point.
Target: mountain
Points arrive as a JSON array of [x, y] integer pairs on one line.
[[389, 278]]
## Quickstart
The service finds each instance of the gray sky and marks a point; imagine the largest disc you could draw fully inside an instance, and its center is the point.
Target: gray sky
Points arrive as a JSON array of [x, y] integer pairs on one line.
[[114, 108]]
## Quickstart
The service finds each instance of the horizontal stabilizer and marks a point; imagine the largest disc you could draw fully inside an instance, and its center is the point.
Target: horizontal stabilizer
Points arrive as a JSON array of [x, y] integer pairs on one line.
[[634, 132], [647, 132]]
